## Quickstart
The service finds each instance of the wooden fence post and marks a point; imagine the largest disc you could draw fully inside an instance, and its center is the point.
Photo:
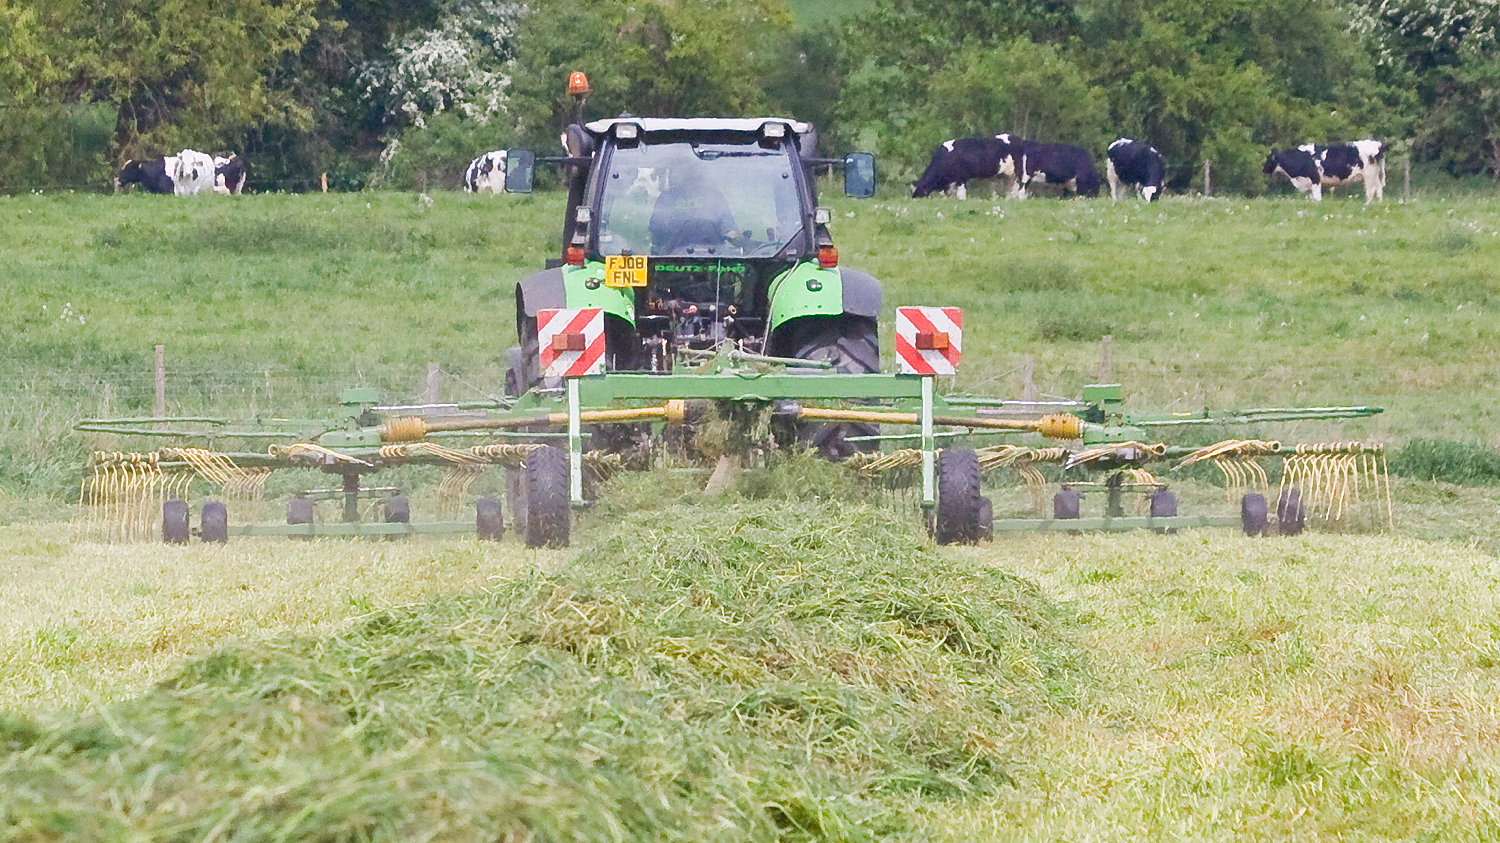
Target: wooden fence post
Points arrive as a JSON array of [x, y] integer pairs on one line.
[[160, 370], [434, 384], [1406, 179], [1028, 378], [1106, 358], [1208, 187], [323, 181]]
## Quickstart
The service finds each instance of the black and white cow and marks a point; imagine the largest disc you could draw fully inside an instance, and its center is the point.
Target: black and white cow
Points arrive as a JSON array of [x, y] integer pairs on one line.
[[1311, 168], [1299, 166], [1070, 167], [194, 174], [486, 174], [154, 175], [229, 174], [1356, 161], [1137, 163], [956, 161]]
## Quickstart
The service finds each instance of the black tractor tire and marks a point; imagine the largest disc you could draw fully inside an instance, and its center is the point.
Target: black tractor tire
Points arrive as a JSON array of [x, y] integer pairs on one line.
[[213, 523], [1253, 514], [174, 522], [1291, 515], [852, 344], [516, 379], [986, 519], [956, 519], [488, 522], [545, 518], [1067, 505]]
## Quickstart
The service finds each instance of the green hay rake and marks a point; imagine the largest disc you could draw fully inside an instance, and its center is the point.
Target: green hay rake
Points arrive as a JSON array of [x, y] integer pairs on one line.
[[556, 440]]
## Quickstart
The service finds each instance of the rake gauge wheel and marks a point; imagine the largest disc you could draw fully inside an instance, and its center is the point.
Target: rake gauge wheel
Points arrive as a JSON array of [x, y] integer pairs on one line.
[[544, 518], [174, 522], [986, 519], [1253, 514], [959, 504], [213, 525], [487, 519], [1291, 516], [1067, 504]]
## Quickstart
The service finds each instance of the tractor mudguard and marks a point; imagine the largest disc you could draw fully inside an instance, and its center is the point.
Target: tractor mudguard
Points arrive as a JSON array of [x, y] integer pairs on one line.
[[861, 293], [806, 290], [569, 286]]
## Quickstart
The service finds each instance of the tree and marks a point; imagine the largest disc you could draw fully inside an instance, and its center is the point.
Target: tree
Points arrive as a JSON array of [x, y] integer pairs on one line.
[[650, 58], [180, 72]]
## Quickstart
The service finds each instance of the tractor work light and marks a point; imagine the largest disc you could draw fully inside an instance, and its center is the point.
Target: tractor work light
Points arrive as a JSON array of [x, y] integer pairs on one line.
[[821, 216], [773, 131], [627, 131]]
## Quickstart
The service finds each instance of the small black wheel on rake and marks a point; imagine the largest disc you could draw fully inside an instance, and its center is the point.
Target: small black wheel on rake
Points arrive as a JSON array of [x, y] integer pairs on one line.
[[1253, 514], [1067, 504], [487, 519], [299, 510], [174, 522], [544, 518], [1163, 505], [1291, 516], [397, 511], [213, 524], [956, 520]]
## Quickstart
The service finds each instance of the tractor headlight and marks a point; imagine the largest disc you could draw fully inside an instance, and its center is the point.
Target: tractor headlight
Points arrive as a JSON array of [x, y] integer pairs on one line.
[[627, 131], [773, 131]]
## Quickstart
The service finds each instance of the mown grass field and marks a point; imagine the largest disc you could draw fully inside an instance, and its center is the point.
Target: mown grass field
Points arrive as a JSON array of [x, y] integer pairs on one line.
[[790, 661]]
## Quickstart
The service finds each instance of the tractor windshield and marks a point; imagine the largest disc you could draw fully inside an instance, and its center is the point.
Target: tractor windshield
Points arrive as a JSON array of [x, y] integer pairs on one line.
[[701, 199]]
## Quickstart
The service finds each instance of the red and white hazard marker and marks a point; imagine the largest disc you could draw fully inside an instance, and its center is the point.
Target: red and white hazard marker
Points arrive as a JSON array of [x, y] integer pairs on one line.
[[929, 340], [571, 341]]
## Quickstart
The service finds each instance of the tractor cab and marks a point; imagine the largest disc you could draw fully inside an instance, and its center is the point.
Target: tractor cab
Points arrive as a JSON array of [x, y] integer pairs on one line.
[[692, 232]]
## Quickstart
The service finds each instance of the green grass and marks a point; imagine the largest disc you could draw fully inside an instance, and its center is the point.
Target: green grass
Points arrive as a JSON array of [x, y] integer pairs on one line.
[[791, 660], [273, 303]]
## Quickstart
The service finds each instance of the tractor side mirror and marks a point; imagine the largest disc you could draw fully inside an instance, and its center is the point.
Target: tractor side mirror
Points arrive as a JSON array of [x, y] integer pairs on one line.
[[859, 175], [520, 170]]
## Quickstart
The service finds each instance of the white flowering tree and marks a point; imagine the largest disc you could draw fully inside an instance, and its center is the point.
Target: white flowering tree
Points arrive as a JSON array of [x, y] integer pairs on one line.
[[462, 64], [1450, 51]]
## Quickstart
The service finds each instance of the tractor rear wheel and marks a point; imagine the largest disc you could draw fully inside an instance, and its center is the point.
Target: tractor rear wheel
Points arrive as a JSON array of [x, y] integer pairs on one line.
[[959, 504], [851, 344], [540, 499]]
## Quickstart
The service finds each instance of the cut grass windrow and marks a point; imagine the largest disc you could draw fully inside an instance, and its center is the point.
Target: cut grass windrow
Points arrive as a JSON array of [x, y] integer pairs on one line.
[[741, 670]]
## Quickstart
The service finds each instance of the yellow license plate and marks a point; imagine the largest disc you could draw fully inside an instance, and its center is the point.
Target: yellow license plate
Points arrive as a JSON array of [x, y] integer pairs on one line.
[[625, 270]]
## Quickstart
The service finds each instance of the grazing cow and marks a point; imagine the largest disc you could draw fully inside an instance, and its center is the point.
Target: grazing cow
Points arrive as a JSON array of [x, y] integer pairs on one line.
[[1137, 163], [1300, 167], [194, 173], [486, 174], [1310, 168], [1356, 161], [1062, 164], [154, 175], [229, 174], [956, 161]]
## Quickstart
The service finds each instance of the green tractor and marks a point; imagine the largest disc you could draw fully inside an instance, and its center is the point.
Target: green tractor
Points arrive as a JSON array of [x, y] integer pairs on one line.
[[690, 233]]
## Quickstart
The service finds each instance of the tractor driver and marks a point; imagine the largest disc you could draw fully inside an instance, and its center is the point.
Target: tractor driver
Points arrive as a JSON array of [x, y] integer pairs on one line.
[[690, 213]]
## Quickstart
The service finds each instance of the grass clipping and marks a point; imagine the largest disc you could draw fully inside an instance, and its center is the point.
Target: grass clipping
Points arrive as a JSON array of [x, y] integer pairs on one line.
[[745, 670]]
